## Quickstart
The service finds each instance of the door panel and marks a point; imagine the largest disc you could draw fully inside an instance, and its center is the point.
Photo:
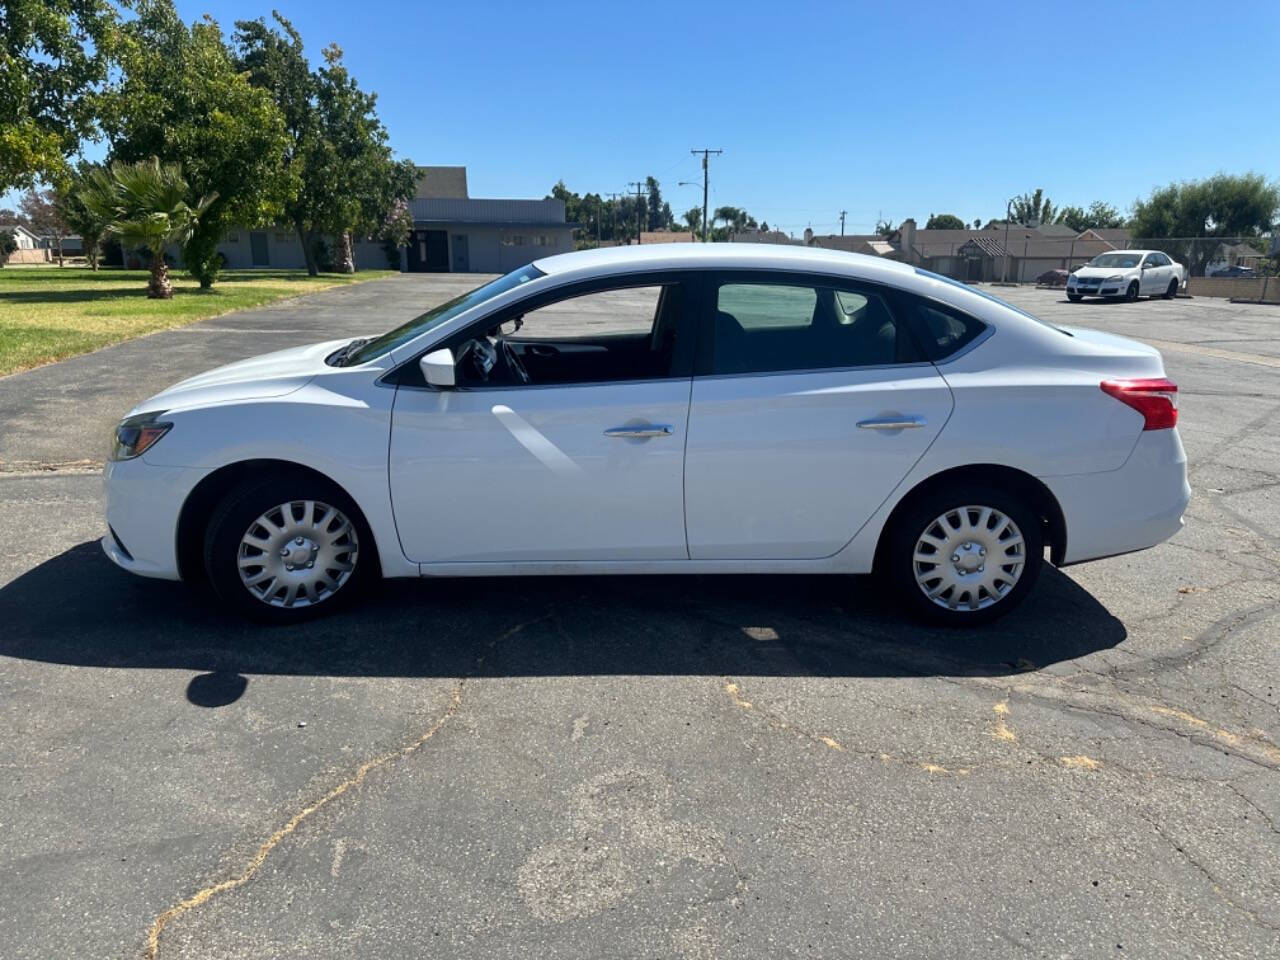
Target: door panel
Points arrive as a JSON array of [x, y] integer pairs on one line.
[[528, 474], [778, 468]]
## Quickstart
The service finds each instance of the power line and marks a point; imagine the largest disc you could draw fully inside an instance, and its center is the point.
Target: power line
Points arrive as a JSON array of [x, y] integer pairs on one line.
[[706, 179]]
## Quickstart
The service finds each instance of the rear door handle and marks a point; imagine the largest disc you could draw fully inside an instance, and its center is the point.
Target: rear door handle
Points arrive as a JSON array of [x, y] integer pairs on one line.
[[892, 423], [648, 430]]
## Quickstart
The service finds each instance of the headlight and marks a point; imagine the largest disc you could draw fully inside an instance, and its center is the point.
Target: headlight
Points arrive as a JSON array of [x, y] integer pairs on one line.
[[1116, 279], [136, 435]]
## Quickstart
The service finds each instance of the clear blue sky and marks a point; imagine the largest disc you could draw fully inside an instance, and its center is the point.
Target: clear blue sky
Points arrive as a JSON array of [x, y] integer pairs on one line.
[[900, 108]]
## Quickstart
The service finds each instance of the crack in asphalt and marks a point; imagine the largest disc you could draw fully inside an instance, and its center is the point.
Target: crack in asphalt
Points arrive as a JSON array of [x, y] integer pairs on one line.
[[205, 894]]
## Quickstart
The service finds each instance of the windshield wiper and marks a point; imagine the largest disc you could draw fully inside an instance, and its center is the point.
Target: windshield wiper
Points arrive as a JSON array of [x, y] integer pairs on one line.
[[340, 357]]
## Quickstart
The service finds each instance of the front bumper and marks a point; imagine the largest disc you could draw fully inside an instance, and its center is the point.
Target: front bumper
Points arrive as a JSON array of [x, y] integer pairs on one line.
[[1096, 289], [1131, 508], [143, 503]]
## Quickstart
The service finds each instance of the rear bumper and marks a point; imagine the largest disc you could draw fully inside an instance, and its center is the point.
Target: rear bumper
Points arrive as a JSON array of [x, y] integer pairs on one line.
[[1134, 507]]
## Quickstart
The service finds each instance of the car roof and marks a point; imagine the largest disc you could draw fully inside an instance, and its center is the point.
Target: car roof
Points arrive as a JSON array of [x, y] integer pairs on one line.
[[720, 256]]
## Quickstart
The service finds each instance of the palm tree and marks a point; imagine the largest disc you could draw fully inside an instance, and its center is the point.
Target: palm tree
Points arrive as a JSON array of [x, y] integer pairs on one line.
[[145, 205]]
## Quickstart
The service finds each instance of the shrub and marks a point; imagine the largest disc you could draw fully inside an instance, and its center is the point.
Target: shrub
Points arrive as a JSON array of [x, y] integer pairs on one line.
[[7, 245]]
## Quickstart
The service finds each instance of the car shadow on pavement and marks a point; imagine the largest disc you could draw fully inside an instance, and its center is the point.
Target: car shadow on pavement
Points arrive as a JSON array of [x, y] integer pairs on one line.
[[79, 609]]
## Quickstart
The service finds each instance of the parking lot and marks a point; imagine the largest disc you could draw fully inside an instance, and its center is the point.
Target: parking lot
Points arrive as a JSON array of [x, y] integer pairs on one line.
[[641, 767]]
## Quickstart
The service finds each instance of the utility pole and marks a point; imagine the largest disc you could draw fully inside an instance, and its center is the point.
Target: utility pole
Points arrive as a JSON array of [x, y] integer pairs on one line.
[[639, 193], [613, 216], [842, 215], [1008, 205], [706, 179]]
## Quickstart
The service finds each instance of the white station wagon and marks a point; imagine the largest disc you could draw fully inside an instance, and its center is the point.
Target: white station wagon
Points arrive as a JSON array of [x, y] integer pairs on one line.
[[662, 409]]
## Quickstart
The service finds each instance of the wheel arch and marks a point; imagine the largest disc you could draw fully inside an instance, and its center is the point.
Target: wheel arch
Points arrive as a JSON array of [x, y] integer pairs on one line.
[[1038, 496], [209, 492]]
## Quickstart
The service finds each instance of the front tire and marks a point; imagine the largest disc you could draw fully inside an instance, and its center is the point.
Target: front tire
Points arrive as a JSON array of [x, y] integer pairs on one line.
[[965, 556], [288, 548], [1074, 297], [1132, 293]]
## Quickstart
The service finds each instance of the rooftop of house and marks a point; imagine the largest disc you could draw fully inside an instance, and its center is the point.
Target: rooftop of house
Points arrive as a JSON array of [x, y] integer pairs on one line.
[[442, 183]]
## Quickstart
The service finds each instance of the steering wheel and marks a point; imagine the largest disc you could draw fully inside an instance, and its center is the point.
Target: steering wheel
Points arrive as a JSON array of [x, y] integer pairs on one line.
[[480, 357], [515, 366]]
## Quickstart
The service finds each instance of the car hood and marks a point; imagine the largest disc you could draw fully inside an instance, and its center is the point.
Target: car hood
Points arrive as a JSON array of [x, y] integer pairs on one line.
[[270, 375], [1101, 273]]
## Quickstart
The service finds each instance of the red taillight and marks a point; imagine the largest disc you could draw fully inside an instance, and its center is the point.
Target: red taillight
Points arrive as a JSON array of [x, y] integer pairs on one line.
[[1155, 398]]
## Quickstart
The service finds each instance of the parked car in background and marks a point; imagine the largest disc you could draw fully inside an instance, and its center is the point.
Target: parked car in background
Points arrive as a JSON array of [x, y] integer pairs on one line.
[[664, 409], [1053, 278], [1235, 271], [1129, 274]]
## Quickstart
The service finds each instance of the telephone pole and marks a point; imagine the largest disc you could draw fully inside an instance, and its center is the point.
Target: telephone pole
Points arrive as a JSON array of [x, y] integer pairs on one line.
[[842, 214], [706, 178], [613, 215], [639, 193]]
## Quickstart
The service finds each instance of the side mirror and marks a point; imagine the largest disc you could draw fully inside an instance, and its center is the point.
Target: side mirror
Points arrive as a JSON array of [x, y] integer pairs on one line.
[[439, 369]]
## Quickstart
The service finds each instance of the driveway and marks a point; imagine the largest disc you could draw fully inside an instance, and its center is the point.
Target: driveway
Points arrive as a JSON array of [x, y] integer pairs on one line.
[[639, 767]]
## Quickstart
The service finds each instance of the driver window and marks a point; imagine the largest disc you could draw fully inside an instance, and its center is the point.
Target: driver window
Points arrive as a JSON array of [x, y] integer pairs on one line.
[[604, 336]]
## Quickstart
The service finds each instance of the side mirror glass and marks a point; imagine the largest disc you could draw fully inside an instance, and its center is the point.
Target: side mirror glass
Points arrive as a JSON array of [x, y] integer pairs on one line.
[[439, 369]]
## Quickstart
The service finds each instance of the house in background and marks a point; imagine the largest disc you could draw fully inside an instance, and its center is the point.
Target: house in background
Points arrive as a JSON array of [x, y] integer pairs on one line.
[[452, 233], [456, 233], [1021, 254], [26, 240]]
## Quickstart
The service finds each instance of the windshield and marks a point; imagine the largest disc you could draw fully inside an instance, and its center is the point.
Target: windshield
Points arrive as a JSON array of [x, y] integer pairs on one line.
[[440, 314], [1115, 260], [986, 296]]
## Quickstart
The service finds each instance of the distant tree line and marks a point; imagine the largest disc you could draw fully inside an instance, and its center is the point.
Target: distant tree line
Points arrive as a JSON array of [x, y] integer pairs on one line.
[[614, 219], [250, 131]]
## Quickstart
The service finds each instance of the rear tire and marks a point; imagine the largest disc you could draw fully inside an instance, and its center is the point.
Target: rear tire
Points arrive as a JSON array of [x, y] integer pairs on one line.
[[1172, 291], [944, 557], [1132, 293], [288, 548]]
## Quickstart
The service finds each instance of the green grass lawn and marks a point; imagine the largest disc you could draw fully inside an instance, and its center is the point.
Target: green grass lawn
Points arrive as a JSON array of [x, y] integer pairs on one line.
[[49, 313]]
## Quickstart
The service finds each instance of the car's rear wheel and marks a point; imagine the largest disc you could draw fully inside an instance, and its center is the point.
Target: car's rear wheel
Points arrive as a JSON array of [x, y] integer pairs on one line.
[[1132, 293], [1074, 297], [287, 548], [1172, 291], [965, 556]]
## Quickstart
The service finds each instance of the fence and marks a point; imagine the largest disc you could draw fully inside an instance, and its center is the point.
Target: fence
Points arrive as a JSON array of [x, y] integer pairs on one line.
[[1028, 256]]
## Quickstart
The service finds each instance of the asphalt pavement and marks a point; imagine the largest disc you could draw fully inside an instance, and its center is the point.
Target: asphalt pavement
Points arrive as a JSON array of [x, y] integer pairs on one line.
[[641, 767]]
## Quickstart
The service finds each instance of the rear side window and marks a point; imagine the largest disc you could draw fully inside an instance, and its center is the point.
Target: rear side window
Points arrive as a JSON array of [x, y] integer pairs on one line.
[[941, 331], [781, 327]]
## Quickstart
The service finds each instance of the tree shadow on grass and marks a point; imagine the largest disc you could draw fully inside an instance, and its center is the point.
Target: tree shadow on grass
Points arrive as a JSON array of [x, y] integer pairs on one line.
[[79, 609]]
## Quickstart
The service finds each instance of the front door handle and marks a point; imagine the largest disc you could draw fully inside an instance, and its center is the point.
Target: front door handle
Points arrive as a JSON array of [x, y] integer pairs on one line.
[[892, 423], [648, 430]]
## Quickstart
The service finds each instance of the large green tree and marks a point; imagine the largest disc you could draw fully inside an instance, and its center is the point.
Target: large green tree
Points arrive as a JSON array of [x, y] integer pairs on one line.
[[1032, 206], [944, 221], [53, 57], [336, 148], [1224, 206], [1098, 215], [89, 222], [181, 97]]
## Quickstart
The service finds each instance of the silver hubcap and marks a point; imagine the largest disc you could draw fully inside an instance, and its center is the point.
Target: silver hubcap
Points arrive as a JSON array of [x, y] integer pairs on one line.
[[969, 558], [297, 554]]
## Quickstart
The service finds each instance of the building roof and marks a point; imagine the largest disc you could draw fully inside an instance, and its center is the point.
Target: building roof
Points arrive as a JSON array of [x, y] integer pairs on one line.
[[1116, 236], [549, 212], [441, 182], [17, 227], [762, 236], [851, 242]]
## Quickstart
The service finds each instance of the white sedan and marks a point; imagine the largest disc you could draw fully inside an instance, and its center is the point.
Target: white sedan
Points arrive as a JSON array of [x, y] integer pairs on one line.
[[662, 409], [1129, 274]]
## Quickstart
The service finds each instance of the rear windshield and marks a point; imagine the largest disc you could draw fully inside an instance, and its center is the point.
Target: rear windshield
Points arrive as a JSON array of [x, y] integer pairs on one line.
[[440, 314], [986, 296]]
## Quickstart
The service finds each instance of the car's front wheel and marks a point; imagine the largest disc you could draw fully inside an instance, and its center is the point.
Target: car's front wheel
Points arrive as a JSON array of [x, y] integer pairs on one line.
[[965, 556], [1074, 297], [287, 548], [1132, 293]]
